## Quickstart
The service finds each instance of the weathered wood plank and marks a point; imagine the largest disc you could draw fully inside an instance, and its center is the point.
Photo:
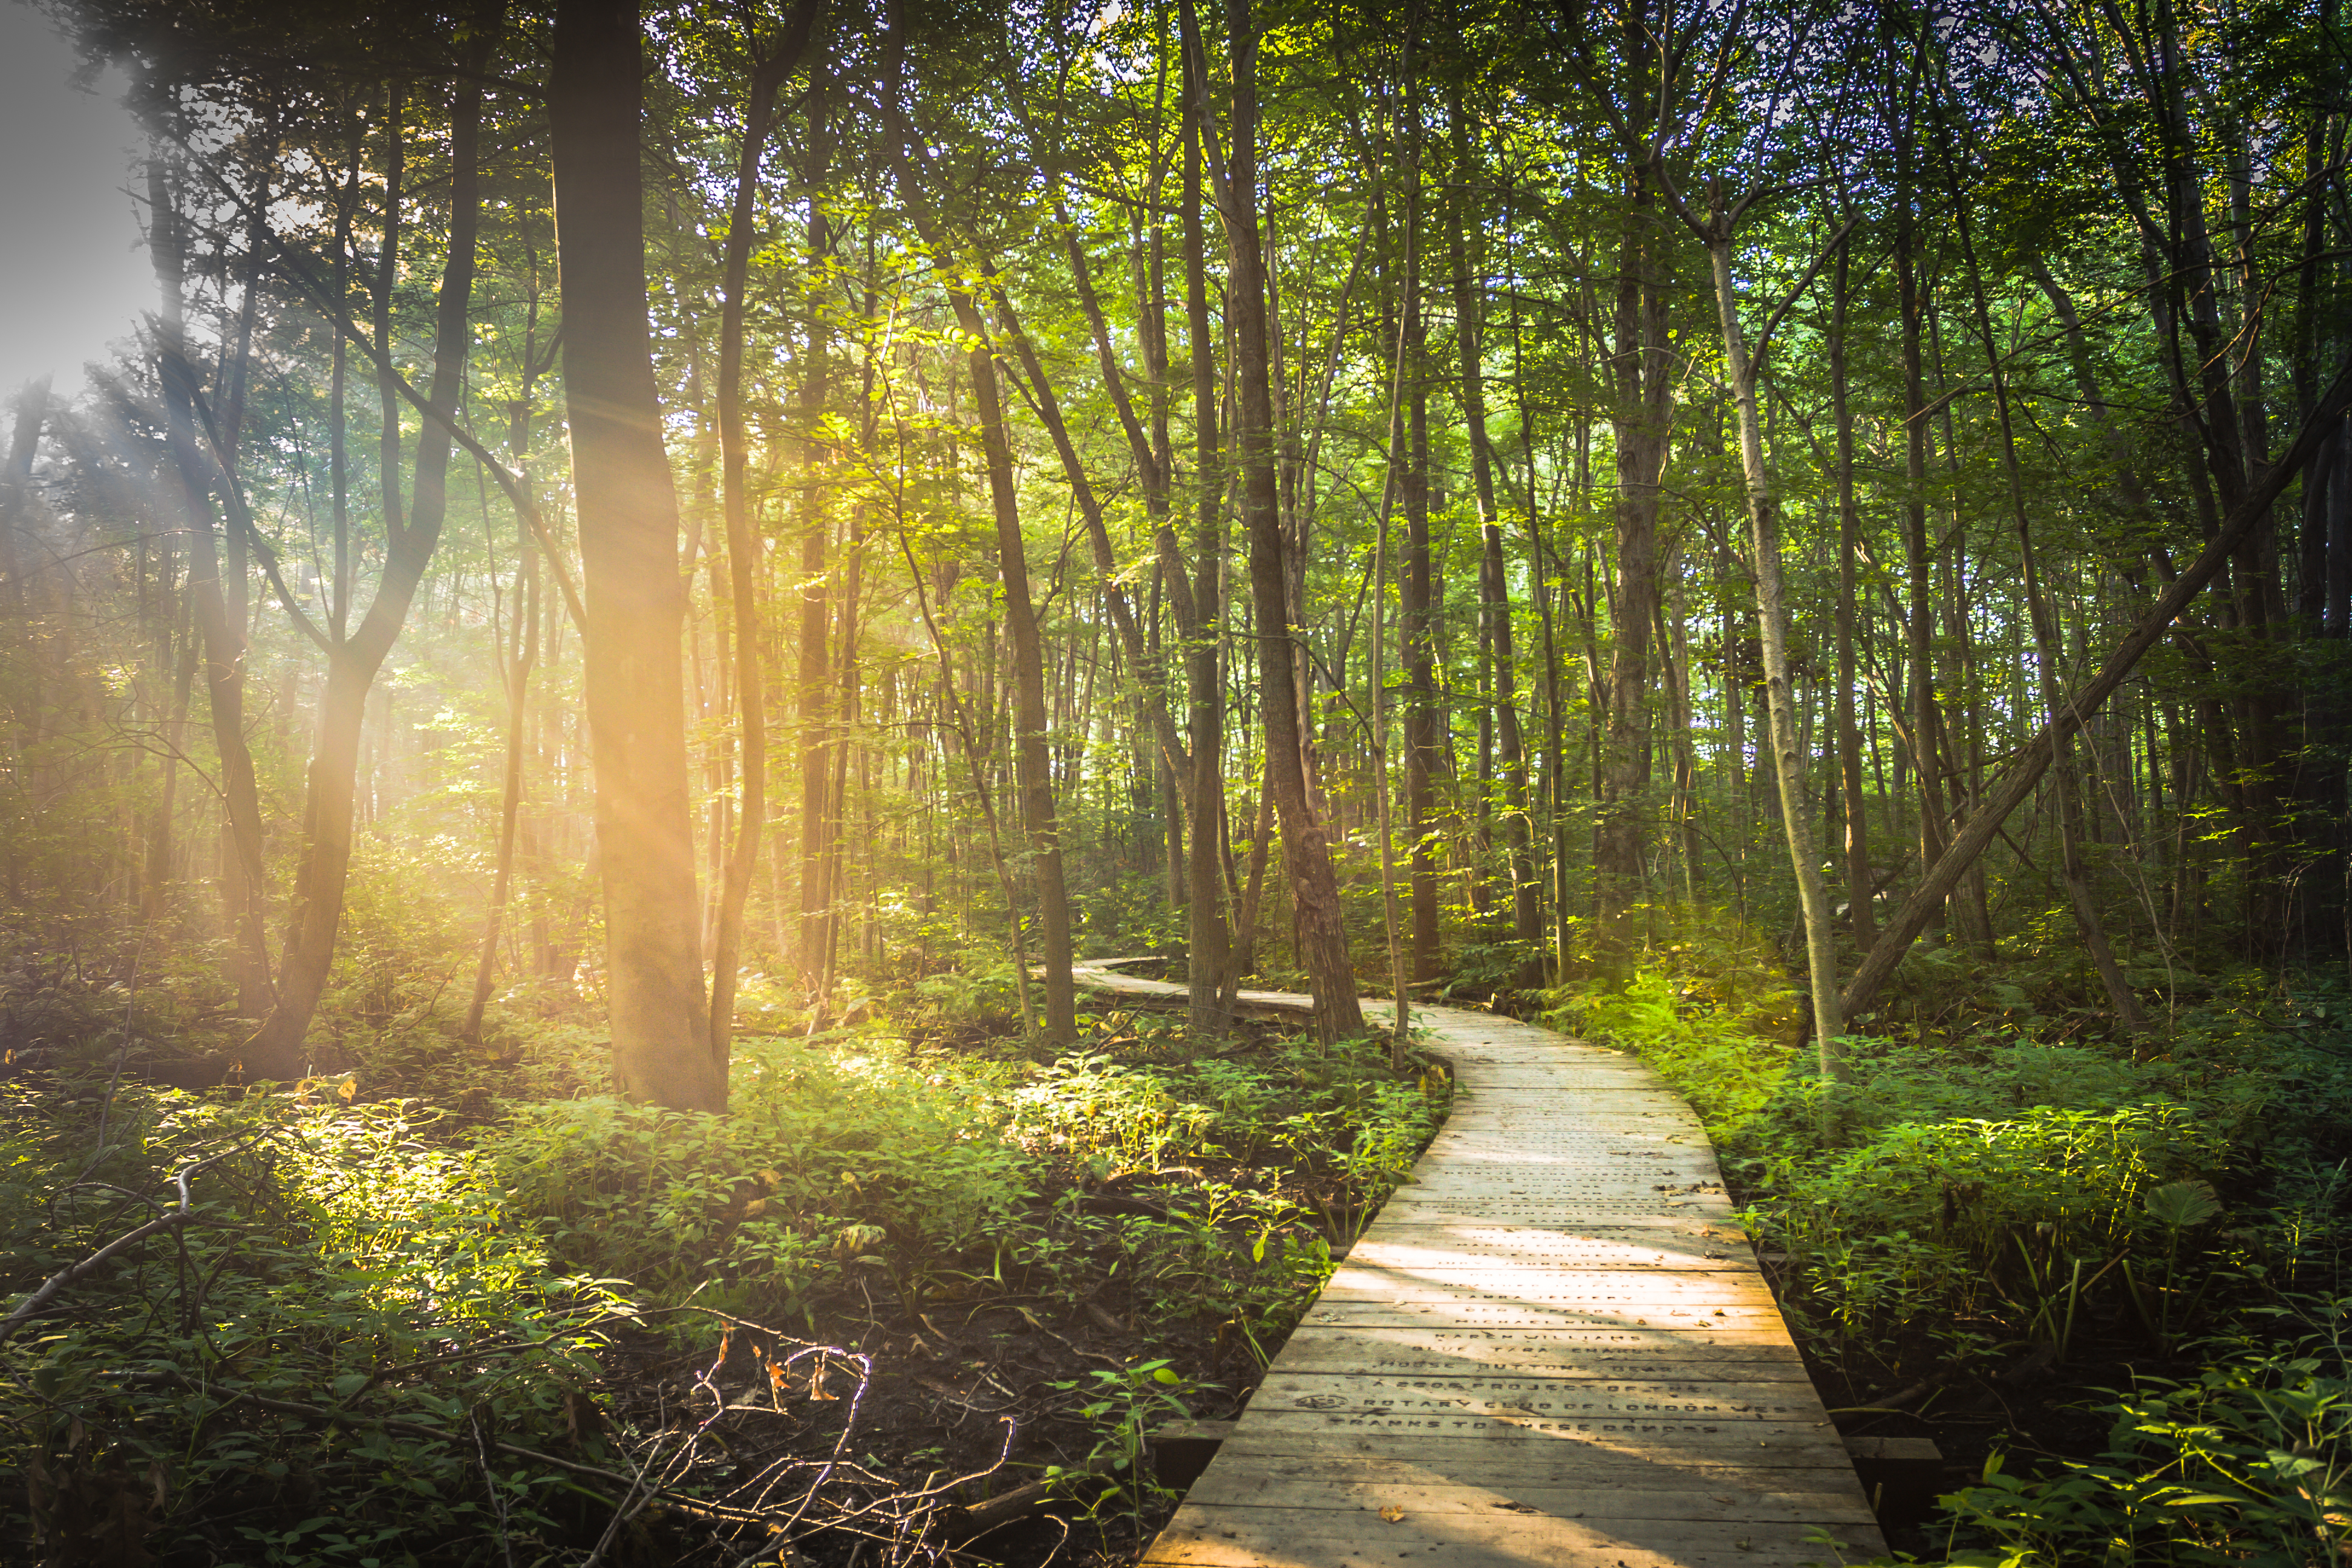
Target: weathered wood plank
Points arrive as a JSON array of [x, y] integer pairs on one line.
[[1477, 1352], [1299, 1483], [1551, 1347], [1233, 1537]]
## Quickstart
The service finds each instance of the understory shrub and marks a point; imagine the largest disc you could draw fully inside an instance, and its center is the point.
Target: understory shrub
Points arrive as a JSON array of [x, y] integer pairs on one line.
[[2249, 1462], [956, 1173], [351, 1259]]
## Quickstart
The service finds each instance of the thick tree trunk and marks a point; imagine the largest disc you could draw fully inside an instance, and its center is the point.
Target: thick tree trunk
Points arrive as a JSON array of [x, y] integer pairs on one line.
[[628, 520]]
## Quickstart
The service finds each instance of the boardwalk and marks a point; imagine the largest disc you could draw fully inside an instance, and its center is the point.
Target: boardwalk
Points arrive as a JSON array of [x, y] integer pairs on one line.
[[1552, 1346]]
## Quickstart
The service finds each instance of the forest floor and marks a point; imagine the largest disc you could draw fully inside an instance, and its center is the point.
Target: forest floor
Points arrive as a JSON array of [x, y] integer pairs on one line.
[[923, 1287]]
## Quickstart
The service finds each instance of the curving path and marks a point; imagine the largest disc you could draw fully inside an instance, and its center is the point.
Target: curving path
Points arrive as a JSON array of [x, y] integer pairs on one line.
[[1552, 1347]]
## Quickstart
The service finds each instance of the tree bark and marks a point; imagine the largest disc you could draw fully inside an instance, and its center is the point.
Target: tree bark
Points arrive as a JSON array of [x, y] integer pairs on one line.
[[276, 1049], [636, 603], [1315, 890], [743, 554]]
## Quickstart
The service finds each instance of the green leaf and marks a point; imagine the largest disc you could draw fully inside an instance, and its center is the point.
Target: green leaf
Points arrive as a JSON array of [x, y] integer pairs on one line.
[[2180, 1205]]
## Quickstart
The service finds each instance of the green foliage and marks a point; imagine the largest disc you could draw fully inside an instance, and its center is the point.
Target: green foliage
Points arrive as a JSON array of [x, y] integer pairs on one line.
[[1704, 1008], [1122, 1407], [2248, 1462], [935, 1166], [1931, 1222], [436, 1287], [353, 1258]]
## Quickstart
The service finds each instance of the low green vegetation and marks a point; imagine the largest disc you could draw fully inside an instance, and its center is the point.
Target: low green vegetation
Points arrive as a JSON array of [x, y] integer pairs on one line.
[[379, 1330], [2107, 1275]]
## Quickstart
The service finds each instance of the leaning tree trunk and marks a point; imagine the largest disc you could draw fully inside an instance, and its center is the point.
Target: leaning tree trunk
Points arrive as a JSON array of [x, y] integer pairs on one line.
[[635, 604]]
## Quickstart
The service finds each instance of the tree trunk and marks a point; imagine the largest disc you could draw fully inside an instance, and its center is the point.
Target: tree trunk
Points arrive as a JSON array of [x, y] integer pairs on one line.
[[1494, 580], [1315, 890], [743, 554], [1641, 373], [1032, 768], [1772, 615], [276, 1049], [1858, 878], [243, 879], [2048, 654], [518, 684], [634, 695]]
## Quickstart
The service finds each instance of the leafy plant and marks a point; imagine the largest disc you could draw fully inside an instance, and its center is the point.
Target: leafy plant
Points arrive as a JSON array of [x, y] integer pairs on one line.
[[1123, 1406]]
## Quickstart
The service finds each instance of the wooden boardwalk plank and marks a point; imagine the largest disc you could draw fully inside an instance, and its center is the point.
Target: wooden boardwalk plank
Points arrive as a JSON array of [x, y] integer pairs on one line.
[[1552, 1346]]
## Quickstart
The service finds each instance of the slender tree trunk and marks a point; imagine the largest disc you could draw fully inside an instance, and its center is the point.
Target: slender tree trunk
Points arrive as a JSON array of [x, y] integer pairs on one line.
[[518, 682], [1032, 767], [743, 554], [628, 520], [243, 879], [1642, 370], [1215, 953], [816, 688], [1772, 615], [1315, 890], [2048, 655], [1858, 879], [1919, 613], [276, 1049], [1494, 579]]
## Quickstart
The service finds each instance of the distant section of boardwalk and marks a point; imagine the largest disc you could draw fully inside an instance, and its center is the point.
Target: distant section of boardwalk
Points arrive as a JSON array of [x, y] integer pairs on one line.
[[1553, 1346]]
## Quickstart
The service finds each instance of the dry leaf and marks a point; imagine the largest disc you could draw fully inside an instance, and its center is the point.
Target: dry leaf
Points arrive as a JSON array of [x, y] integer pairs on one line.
[[817, 1389], [1392, 1513]]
